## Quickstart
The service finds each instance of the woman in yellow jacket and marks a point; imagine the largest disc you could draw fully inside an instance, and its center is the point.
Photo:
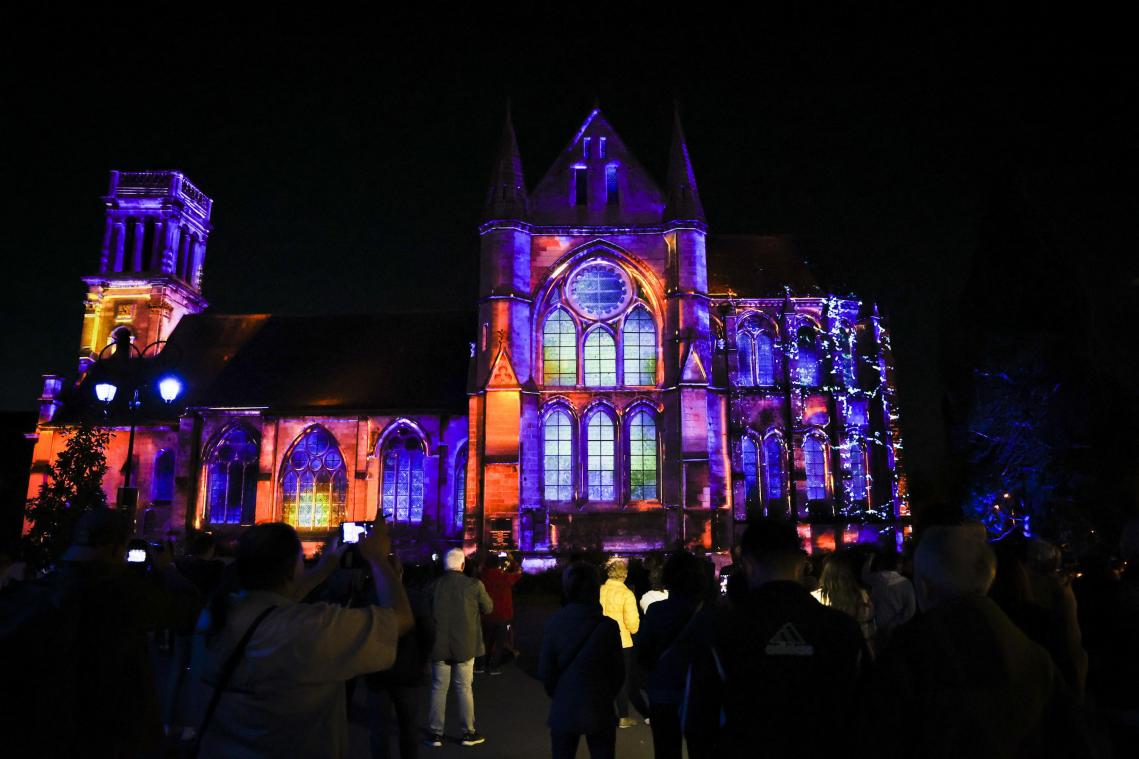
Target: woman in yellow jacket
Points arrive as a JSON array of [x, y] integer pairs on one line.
[[619, 604]]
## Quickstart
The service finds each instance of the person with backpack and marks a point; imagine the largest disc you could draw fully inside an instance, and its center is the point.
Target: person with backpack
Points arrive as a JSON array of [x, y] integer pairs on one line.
[[582, 667]]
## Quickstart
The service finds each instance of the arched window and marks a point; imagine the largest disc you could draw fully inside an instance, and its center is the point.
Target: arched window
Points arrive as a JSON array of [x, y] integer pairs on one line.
[[314, 482], [764, 360], [557, 457], [745, 342], [460, 487], [642, 457], [599, 359], [601, 457], [402, 489], [640, 348], [163, 490], [559, 349], [773, 467], [751, 471], [855, 455], [815, 464], [231, 478], [807, 364]]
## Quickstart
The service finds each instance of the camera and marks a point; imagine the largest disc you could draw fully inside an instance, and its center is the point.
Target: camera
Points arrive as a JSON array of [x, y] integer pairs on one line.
[[352, 532]]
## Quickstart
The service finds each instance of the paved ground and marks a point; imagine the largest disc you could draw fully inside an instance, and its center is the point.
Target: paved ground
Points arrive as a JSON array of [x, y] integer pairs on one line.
[[510, 708]]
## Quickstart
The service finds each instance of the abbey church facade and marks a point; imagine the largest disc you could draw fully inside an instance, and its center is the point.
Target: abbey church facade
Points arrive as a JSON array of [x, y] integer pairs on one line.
[[630, 380]]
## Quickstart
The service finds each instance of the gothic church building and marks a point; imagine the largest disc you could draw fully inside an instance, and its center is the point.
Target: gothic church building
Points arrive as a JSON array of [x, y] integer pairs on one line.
[[631, 381]]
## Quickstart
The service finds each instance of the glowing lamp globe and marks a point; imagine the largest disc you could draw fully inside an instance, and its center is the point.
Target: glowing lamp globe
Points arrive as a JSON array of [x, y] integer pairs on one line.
[[105, 392], [169, 388]]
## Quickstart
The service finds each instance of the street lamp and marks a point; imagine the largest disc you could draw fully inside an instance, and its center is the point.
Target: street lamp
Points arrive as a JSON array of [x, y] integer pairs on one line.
[[124, 369]]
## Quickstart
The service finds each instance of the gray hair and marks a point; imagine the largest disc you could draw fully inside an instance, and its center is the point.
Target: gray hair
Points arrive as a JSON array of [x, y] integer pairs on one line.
[[455, 559], [952, 562]]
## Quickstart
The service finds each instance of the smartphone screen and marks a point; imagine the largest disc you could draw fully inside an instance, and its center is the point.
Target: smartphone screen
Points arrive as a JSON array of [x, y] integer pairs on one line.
[[351, 532], [136, 556]]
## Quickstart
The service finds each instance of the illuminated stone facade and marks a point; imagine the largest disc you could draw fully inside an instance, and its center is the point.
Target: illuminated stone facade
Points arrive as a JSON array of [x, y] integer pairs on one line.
[[630, 382]]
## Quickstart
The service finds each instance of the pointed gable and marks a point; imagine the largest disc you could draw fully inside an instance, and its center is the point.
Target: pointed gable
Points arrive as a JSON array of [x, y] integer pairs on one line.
[[693, 371], [596, 181], [502, 374]]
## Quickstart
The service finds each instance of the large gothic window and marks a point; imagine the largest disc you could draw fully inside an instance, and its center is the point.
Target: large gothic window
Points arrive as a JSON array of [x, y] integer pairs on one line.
[[815, 464], [314, 482], [599, 359], [756, 354], [460, 487], [642, 457], [808, 370], [402, 493], [163, 490], [601, 457], [559, 349], [773, 467], [557, 457], [640, 348], [751, 471], [231, 478]]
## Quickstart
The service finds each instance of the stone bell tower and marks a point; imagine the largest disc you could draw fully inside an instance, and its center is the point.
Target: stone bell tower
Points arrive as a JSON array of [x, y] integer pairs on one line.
[[150, 264]]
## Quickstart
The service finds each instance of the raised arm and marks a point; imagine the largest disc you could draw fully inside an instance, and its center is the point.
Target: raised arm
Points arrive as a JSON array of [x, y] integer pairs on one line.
[[376, 549]]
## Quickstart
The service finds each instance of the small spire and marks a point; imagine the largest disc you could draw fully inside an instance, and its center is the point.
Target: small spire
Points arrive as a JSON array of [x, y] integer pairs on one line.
[[506, 197], [683, 197]]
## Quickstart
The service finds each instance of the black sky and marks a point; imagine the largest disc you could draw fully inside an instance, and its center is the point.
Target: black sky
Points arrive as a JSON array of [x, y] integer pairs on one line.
[[348, 160]]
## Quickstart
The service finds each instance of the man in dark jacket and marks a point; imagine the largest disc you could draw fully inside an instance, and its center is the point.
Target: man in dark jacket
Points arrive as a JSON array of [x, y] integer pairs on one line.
[[775, 663], [456, 602], [582, 666], [961, 679]]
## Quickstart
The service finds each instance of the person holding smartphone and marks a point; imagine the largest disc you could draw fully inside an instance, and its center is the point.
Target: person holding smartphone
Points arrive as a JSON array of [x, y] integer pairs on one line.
[[286, 695]]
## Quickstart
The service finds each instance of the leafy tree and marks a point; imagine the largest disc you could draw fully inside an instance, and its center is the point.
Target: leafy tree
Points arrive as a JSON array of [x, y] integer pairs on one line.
[[74, 485]]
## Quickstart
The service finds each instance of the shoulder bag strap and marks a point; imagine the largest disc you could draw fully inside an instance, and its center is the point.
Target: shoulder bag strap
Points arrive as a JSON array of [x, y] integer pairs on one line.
[[225, 675]]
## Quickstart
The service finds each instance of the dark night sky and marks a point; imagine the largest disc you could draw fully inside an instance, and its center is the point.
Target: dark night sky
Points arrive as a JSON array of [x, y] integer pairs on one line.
[[348, 162]]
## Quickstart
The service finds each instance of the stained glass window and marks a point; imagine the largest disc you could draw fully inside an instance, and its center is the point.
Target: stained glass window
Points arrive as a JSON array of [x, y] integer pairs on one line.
[[745, 343], [403, 477], [751, 471], [855, 456], [611, 194], [559, 349], [460, 487], [599, 291], [599, 359], [773, 467], [164, 476], [642, 457], [557, 457], [640, 348], [314, 483], [815, 464], [231, 478], [601, 457]]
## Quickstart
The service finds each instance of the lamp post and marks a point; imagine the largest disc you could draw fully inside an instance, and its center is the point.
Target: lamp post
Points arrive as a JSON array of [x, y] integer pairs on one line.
[[126, 374]]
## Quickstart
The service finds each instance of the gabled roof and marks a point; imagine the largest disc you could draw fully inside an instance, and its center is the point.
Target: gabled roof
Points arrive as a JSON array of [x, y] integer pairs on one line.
[[553, 199], [758, 266], [360, 362]]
